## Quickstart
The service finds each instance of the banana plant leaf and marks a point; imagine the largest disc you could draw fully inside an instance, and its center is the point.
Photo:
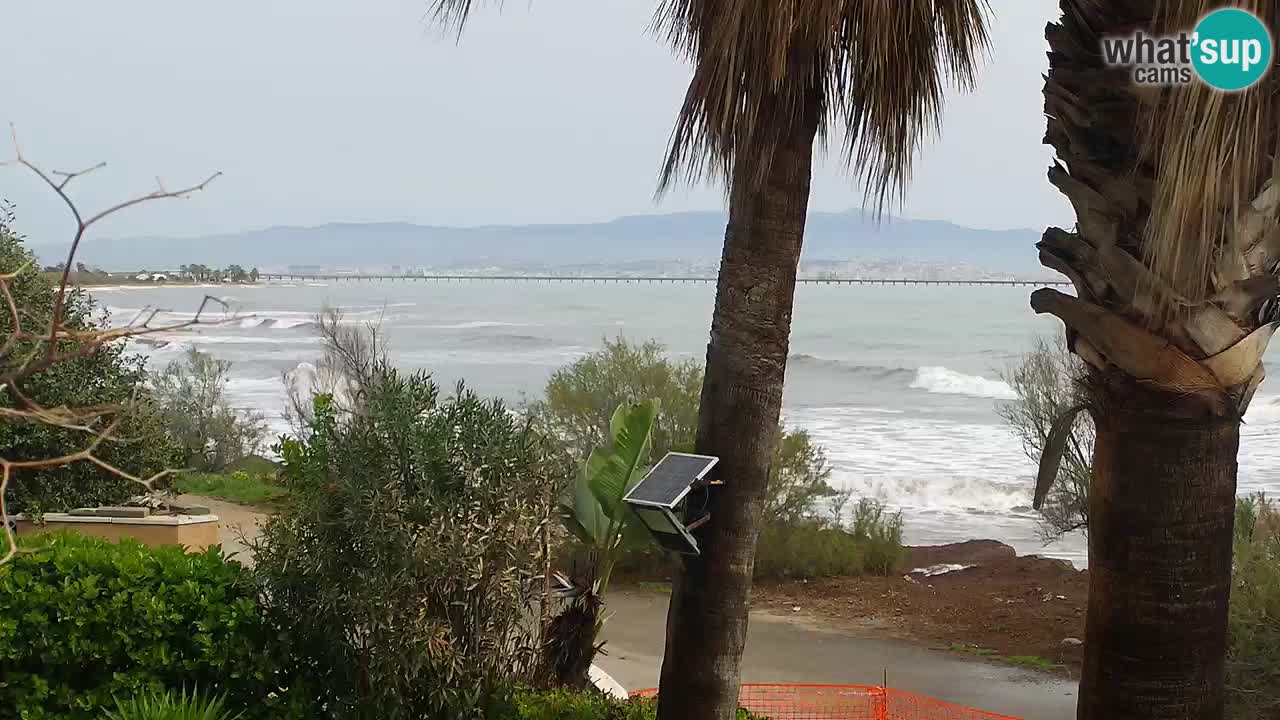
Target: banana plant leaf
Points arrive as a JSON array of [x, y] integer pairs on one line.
[[580, 513], [593, 510], [630, 431]]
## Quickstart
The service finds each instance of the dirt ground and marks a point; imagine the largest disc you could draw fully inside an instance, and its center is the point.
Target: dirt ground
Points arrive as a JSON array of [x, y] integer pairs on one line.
[[233, 521], [1019, 608]]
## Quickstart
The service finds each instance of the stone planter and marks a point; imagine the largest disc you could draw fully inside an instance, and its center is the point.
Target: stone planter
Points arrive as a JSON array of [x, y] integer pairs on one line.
[[193, 532]]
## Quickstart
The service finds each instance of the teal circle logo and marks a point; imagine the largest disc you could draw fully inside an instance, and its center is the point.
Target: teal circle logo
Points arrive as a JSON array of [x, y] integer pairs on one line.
[[1231, 49]]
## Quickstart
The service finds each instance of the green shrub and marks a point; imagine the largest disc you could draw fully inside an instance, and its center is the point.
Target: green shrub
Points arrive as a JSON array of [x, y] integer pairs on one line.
[[404, 569], [1253, 655], [807, 550], [108, 376], [580, 400], [84, 621], [190, 396], [880, 535], [173, 706], [870, 544]]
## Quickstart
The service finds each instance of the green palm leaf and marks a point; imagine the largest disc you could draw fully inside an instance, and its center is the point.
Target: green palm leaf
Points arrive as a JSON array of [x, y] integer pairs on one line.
[[580, 513], [630, 433]]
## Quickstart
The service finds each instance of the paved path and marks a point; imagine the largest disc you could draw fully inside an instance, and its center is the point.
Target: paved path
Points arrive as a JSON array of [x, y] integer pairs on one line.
[[233, 520], [797, 650]]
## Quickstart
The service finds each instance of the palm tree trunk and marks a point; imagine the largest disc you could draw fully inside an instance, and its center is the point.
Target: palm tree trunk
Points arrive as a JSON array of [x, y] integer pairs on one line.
[[738, 422], [1162, 507]]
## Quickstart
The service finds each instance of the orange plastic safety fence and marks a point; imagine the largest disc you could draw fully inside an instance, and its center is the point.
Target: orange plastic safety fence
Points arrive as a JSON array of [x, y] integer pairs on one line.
[[846, 702]]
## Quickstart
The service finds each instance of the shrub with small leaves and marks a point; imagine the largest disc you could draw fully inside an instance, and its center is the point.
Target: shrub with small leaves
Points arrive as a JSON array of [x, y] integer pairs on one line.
[[405, 567], [84, 622]]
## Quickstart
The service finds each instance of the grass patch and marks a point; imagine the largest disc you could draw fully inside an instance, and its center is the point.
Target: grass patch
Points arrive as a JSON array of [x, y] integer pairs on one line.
[[652, 586], [238, 487], [1032, 662]]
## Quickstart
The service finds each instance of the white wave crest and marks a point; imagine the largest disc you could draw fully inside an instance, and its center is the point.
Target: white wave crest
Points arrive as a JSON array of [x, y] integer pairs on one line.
[[949, 382], [282, 323], [1263, 411], [475, 324]]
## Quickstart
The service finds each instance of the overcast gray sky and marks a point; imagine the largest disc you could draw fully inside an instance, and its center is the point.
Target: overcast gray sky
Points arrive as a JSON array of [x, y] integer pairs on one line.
[[338, 110]]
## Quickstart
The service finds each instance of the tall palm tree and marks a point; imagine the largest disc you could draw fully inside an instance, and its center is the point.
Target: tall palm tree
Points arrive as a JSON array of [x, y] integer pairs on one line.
[[1174, 261], [772, 80]]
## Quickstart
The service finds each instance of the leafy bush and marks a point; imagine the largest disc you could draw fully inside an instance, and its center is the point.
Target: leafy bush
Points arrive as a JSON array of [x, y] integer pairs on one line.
[[84, 621], [1253, 655], [404, 568], [106, 377], [190, 395], [880, 535], [580, 400], [871, 544], [173, 706], [807, 550]]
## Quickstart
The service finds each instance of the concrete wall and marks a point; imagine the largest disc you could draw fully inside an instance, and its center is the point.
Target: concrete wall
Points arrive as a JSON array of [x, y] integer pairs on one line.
[[195, 533]]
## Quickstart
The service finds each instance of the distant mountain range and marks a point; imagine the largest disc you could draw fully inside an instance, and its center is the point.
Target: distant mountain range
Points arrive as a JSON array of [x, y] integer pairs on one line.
[[688, 236]]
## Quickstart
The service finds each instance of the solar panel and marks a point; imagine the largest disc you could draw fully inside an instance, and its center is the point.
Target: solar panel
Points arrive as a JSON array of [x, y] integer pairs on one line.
[[668, 482]]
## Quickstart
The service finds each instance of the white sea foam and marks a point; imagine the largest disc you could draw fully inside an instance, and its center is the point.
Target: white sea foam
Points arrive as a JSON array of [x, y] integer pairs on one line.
[[550, 357], [282, 323], [949, 382], [1263, 411], [205, 339], [940, 569], [475, 325]]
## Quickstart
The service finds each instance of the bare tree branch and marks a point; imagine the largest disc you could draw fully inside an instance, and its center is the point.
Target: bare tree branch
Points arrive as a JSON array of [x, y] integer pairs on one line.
[[59, 343]]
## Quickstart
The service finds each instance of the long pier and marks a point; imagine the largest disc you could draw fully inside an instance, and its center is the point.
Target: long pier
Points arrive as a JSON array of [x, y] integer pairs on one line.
[[626, 279]]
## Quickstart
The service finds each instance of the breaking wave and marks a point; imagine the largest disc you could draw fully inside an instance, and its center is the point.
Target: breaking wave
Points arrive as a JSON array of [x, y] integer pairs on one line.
[[932, 379], [949, 382]]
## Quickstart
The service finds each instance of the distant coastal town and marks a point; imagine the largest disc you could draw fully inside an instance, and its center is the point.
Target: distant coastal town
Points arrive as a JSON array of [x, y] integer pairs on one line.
[[867, 269]]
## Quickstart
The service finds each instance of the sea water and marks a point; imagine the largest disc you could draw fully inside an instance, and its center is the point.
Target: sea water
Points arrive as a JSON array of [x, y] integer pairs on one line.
[[900, 384]]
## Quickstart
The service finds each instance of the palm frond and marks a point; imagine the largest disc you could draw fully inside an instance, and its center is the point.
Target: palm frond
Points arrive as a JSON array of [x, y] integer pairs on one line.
[[454, 13], [767, 69], [1207, 150]]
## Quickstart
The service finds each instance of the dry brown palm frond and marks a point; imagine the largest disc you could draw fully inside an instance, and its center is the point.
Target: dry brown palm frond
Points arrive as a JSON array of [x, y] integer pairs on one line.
[[764, 69], [1205, 146]]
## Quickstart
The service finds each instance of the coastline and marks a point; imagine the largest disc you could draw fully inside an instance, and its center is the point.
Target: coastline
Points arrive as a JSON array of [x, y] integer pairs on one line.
[[977, 598]]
